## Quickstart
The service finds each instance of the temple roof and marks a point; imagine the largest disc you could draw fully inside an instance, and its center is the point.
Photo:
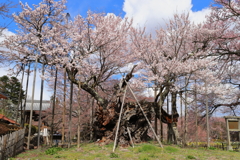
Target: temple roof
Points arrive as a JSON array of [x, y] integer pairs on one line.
[[36, 105]]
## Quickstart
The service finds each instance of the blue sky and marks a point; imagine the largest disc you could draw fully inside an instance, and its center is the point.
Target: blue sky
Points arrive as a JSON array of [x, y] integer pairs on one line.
[[138, 8], [151, 14]]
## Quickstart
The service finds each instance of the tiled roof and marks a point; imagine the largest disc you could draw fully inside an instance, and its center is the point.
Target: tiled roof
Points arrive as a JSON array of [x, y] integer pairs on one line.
[[2, 96], [36, 105], [2, 117]]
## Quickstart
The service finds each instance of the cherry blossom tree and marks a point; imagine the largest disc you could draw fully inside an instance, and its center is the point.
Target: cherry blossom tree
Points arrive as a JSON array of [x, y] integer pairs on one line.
[[98, 51], [40, 37], [5, 8], [95, 50], [169, 57], [92, 52], [38, 34], [222, 27]]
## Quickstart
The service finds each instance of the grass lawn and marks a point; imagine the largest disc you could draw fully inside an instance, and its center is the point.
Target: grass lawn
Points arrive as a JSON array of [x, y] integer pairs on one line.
[[144, 151]]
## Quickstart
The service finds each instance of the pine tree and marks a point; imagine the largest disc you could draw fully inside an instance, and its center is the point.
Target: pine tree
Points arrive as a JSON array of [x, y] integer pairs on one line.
[[11, 88]]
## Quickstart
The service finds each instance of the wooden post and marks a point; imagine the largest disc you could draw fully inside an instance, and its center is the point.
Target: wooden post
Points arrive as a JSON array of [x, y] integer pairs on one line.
[[15, 142], [4, 146], [229, 147], [239, 129], [119, 120], [129, 134]]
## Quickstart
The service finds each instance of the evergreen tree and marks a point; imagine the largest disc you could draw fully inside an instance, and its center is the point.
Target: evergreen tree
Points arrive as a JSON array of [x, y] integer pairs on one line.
[[11, 88]]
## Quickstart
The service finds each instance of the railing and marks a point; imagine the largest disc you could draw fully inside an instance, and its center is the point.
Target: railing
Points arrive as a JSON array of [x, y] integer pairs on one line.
[[11, 144]]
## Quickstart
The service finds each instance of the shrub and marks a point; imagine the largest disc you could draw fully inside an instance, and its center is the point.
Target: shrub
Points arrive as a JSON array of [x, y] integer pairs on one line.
[[34, 129], [190, 157], [113, 155], [212, 148], [53, 150]]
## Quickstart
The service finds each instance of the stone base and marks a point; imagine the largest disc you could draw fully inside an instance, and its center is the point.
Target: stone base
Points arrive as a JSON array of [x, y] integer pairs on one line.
[[229, 148]]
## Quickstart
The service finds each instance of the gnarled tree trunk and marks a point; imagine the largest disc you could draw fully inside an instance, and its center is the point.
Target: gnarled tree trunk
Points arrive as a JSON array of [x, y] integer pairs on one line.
[[132, 118]]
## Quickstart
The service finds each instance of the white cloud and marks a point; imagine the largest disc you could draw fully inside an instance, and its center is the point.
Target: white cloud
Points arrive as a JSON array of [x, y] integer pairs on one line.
[[199, 16], [148, 92], [5, 33], [153, 14]]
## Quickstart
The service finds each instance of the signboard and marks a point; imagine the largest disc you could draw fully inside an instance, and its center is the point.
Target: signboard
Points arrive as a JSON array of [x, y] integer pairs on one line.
[[233, 124], [45, 132]]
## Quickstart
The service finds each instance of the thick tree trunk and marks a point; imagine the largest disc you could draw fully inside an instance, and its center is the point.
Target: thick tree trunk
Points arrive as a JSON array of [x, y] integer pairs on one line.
[[107, 114], [132, 117], [173, 135], [165, 117], [70, 116]]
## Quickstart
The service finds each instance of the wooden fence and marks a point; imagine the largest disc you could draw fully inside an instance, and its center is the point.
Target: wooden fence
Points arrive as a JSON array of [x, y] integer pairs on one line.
[[217, 145], [11, 144]]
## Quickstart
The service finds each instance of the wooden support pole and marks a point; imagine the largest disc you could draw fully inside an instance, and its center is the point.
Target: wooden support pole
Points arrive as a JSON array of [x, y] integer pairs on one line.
[[129, 134], [119, 119]]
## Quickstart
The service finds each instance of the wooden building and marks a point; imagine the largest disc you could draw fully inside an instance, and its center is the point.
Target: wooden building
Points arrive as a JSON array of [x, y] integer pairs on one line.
[[46, 104]]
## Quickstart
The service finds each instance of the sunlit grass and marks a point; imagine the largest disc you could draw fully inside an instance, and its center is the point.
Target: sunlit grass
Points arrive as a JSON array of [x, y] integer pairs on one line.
[[144, 151]]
